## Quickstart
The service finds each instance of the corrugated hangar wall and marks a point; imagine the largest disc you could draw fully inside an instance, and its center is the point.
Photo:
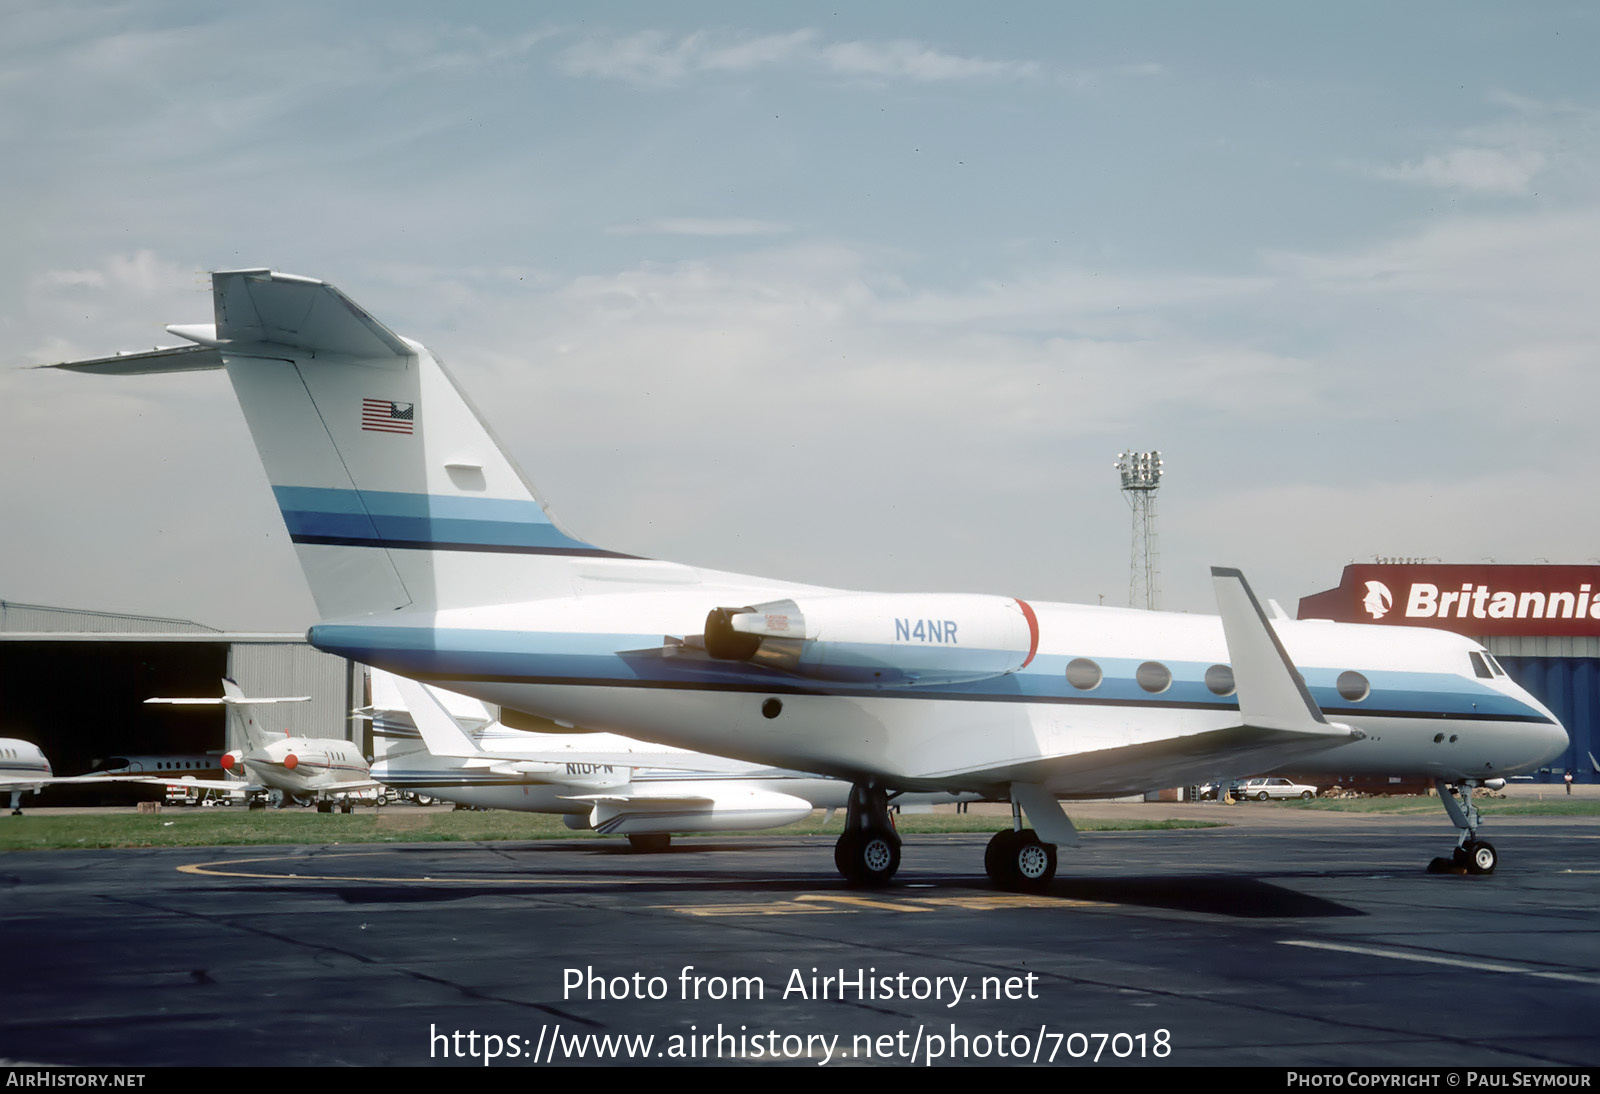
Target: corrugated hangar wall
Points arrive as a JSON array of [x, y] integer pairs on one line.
[[75, 683], [1564, 674], [275, 669]]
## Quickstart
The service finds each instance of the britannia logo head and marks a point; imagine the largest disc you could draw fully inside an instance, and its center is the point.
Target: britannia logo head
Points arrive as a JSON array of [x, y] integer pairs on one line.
[[1378, 599]]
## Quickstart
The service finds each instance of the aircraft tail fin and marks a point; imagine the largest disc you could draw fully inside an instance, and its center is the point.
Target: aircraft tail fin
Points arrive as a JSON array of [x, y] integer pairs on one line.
[[440, 731], [393, 489]]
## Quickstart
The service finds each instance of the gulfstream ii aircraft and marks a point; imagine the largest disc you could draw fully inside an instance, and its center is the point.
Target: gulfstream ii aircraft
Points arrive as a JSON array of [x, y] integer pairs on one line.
[[431, 556]]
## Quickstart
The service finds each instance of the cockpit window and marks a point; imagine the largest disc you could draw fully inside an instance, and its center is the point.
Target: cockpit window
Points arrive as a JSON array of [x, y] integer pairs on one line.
[[1480, 667], [1489, 657]]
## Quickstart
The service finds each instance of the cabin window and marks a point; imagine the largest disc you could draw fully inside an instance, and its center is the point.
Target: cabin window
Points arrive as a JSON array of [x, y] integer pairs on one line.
[[1083, 674], [1219, 678], [1154, 677], [1353, 686]]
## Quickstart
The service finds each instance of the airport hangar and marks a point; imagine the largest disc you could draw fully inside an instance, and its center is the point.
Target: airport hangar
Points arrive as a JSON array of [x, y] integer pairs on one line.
[[75, 683], [1542, 623]]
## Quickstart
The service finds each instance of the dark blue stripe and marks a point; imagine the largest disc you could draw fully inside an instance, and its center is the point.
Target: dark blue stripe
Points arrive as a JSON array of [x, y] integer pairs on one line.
[[378, 518], [431, 545]]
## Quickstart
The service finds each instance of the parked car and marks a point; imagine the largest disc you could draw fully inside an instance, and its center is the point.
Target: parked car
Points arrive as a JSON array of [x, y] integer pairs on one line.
[[1262, 789]]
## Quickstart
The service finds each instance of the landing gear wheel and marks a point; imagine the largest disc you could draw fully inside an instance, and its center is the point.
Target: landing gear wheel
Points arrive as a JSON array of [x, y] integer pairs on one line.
[[1481, 857], [1035, 862], [324, 807], [868, 853], [650, 842], [347, 807], [998, 857], [869, 858], [1019, 862]]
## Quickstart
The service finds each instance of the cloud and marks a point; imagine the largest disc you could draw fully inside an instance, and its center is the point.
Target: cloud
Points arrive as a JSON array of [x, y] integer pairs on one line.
[[1478, 170], [142, 273], [701, 226], [1529, 144], [916, 61], [653, 57]]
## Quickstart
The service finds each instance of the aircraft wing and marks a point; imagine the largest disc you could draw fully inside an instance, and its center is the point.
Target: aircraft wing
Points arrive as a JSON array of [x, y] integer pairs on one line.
[[1173, 761], [157, 780], [686, 762]]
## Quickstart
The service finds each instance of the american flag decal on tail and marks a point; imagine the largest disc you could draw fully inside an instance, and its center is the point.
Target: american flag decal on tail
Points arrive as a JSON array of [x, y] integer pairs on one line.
[[383, 416]]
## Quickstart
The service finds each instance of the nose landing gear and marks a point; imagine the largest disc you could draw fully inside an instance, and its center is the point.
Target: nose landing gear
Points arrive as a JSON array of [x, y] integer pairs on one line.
[[1472, 855]]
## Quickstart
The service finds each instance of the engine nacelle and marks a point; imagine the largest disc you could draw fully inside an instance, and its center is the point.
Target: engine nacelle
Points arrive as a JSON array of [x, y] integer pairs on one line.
[[695, 807], [891, 639]]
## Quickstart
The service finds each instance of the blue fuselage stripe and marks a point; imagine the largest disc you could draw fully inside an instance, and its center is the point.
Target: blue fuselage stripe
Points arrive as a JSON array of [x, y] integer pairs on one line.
[[616, 660], [377, 518]]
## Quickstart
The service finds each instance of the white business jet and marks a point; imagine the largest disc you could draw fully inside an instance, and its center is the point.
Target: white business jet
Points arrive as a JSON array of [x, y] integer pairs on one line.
[[23, 768], [328, 771], [430, 555], [642, 791]]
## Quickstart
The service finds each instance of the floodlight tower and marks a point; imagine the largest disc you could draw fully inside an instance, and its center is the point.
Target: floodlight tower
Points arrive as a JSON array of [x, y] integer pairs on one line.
[[1141, 477]]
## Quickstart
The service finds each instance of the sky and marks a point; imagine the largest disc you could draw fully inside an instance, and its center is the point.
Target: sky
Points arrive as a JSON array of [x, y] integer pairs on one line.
[[868, 298]]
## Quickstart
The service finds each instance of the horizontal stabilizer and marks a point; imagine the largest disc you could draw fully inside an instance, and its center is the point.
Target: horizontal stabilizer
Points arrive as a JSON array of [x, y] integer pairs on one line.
[[169, 359], [254, 306]]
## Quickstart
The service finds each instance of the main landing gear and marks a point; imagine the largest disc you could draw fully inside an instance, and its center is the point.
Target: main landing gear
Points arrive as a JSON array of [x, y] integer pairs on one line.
[[868, 853], [1017, 860], [1472, 855]]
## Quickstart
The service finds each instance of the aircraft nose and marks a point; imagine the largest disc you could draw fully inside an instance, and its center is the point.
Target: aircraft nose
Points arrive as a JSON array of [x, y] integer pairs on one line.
[[1550, 737], [1556, 739]]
